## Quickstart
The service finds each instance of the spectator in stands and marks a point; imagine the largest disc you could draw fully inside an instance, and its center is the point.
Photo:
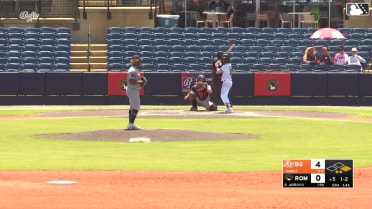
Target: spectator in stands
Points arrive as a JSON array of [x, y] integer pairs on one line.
[[217, 6], [341, 56], [309, 56], [325, 58], [355, 59]]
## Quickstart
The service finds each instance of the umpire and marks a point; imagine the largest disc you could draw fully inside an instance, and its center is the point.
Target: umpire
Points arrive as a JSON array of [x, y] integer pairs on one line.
[[216, 83]]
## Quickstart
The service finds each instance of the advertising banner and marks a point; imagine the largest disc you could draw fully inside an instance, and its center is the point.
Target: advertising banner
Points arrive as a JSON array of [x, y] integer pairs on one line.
[[188, 80], [272, 84], [117, 82]]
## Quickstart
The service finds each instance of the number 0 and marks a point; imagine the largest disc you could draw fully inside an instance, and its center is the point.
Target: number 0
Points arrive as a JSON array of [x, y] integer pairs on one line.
[[318, 177]]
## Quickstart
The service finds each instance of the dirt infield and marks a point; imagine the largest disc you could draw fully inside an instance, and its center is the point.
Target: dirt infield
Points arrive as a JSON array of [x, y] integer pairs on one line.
[[176, 190]]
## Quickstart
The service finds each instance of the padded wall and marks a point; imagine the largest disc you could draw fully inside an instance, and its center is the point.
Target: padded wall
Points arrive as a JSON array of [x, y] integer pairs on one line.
[[64, 83], [309, 84], [9, 83], [32, 83], [94, 83]]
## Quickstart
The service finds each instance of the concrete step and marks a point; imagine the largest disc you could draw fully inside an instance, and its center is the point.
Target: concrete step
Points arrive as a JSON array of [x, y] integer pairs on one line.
[[79, 70], [79, 65], [98, 70], [98, 47], [79, 47], [98, 65], [83, 59], [79, 53], [99, 53], [100, 59]]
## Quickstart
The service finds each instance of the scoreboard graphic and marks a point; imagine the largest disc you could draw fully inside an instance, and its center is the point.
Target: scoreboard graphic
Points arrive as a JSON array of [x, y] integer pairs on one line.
[[318, 173]]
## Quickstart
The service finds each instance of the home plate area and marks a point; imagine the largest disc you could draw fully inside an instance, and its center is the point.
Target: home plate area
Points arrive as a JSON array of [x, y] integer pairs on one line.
[[147, 135]]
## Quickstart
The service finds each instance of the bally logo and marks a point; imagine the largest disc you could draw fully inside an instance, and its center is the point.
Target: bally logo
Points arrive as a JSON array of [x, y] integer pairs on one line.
[[28, 16], [272, 84]]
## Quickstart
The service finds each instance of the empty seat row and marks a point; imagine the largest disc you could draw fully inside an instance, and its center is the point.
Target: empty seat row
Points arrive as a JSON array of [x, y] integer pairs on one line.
[[33, 67], [133, 30], [14, 30]]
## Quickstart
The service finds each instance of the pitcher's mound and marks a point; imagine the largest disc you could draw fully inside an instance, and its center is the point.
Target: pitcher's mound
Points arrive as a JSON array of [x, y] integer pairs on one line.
[[154, 135]]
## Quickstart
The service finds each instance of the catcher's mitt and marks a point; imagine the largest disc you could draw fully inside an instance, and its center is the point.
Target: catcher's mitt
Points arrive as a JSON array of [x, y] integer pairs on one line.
[[200, 86], [144, 81]]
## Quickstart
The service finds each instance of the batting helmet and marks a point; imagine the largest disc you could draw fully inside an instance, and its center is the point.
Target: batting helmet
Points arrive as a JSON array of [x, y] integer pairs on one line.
[[219, 54], [200, 78], [225, 58]]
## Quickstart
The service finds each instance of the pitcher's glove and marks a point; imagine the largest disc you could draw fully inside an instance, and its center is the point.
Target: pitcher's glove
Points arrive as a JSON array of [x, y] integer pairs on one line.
[[200, 86], [144, 81]]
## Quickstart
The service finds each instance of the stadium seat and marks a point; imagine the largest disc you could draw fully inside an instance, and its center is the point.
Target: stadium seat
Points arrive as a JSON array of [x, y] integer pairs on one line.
[[146, 30], [191, 53], [28, 68], [44, 68], [161, 54], [250, 60], [64, 60], [46, 54], [48, 30], [114, 30], [161, 60], [29, 54], [178, 68], [13, 67], [265, 60], [115, 67], [175, 60], [33, 48], [61, 67], [31, 41], [15, 30], [46, 60]]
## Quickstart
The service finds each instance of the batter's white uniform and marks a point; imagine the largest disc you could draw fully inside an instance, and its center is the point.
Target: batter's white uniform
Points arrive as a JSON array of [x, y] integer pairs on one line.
[[226, 83], [133, 89]]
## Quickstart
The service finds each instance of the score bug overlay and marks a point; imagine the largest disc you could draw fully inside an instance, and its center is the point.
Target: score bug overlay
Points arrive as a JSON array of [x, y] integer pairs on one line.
[[318, 173]]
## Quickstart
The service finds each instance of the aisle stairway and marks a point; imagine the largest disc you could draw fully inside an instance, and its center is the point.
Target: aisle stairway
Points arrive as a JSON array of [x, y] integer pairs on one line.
[[81, 61]]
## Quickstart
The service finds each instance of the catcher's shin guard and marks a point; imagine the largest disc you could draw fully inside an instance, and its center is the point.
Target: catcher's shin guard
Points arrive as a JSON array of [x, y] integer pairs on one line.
[[213, 107]]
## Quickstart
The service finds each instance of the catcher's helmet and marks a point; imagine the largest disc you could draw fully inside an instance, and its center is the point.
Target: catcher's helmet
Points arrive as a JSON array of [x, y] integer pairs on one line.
[[200, 78], [225, 58]]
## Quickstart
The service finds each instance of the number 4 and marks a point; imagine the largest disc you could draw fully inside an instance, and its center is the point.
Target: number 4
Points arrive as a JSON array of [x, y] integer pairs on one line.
[[317, 164]]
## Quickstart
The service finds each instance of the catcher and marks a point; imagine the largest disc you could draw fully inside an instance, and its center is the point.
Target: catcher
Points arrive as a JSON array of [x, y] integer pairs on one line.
[[199, 95]]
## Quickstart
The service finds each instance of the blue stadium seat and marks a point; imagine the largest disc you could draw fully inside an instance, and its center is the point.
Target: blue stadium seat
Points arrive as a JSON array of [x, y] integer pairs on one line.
[[31, 35], [63, 30], [114, 30], [16, 30], [114, 48], [177, 48], [14, 54], [29, 54], [205, 60], [2, 68], [192, 48], [30, 60], [147, 36], [258, 68], [161, 60], [203, 42], [164, 48], [265, 60], [191, 53], [177, 36], [161, 54], [175, 60], [191, 60], [13, 67], [48, 30], [50, 42], [46, 60], [62, 53], [44, 68], [250, 60], [359, 30], [194, 68], [280, 60], [14, 60], [63, 47], [61, 67], [159, 36], [178, 68], [33, 48], [367, 42], [118, 60], [15, 41], [46, 48], [115, 67], [147, 53], [147, 30], [28, 68], [48, 35], [256, 48], [32, 30], [4, 30], [130, 30], [46, 54], [175, 42], [237, 54], [64, 60]]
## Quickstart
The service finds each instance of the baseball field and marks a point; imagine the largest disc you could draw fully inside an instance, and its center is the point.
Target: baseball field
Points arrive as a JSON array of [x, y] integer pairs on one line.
[[193, 160]]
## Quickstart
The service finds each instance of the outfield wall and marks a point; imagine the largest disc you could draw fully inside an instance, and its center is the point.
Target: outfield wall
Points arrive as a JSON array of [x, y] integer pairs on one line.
[[169, 88]]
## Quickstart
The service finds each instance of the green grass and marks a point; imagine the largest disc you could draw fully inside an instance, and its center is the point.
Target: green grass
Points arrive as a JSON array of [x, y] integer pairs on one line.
[[280, 139]]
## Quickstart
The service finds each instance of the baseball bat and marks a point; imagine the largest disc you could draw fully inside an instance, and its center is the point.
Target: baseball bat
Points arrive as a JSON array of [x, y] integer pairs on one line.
[[230, 48]]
